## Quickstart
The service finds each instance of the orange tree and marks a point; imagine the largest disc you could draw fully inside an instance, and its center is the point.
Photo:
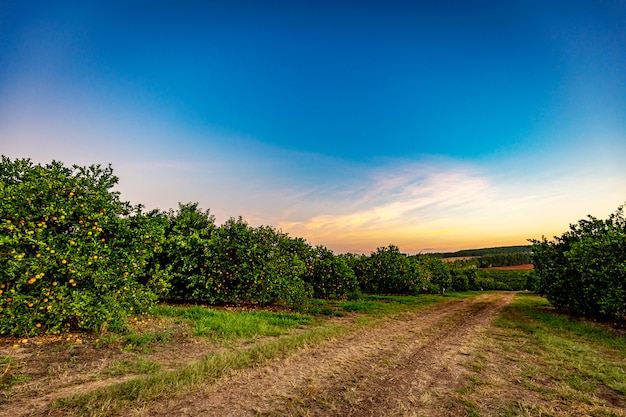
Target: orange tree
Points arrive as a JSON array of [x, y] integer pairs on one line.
[[584, 270], [460, 279], [245, 264], [187, 255], [359, 264], [72, 255], [435, 273], [388, 271], [330, 275]]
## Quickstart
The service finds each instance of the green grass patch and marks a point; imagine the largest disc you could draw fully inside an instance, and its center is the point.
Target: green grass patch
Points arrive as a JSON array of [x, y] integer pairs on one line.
[[219, 324], [531, 314], [6, 376], [324, 311], [5, 360], [532, 349], [505, 279], [376, 305], [136, 366], [8, 373], [579, 353], [138, 341], [362, 306], [321, 307], [398, 299]]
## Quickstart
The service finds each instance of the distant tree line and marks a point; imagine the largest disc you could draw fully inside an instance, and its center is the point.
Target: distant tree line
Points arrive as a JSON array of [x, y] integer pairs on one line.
[[504, 259], [491, 261], [502, 250]]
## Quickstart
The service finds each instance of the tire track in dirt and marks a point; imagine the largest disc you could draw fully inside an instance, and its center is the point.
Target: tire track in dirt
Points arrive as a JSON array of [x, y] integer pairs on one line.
[[429, 374], [407, 366]]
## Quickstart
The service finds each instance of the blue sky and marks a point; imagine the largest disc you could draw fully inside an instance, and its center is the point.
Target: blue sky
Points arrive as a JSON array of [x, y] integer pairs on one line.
[[431, 125]]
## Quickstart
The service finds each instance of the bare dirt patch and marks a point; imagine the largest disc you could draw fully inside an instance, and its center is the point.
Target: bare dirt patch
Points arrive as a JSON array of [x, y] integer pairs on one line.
[[48, 368], [513, 267], [407, 366]]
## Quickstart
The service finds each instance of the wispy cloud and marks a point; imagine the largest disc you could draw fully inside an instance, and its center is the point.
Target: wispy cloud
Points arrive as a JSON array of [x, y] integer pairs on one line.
[[419, 199], [448, 205], [418, 194]]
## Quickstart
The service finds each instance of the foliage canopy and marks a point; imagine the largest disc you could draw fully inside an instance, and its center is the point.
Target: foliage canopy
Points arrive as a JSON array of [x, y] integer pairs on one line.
[[72, 255], [584, 270]]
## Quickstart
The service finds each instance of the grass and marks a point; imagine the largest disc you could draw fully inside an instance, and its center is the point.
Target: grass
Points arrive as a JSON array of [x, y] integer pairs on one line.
[[8, 375], [362, 306], [156, 384], [141, 391], [138, 341], [504, 279], [554, 364], [219, 324], [380, 305], [137, 366]]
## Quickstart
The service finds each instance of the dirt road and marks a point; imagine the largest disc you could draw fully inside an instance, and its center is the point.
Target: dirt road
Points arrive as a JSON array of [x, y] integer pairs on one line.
[[410, 366]]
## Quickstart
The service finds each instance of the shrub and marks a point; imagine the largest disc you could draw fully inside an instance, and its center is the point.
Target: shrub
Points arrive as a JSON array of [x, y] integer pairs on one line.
[[584, 270], [359, 265], [388, 271], [72, 255], [186, 253], [330, 275], [532, 281], [435, 274], [459, 280], [249, 265]]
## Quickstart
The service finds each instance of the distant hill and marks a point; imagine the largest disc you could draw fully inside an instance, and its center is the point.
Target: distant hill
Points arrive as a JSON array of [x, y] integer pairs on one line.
[[502, 250]]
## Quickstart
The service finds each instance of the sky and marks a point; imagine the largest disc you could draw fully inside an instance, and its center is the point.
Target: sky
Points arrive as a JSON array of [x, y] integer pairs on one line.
[[433, 126]]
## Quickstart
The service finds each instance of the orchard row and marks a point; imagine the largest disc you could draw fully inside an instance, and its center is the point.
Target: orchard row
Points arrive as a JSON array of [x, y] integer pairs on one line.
[[584, 270], [74, 256]]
